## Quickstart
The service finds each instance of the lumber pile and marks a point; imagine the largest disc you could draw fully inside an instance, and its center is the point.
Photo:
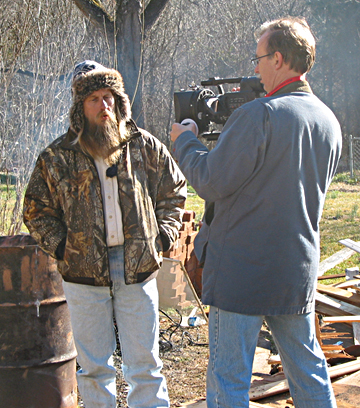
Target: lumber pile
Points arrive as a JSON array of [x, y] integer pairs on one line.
[[337, 306], [341, 302]]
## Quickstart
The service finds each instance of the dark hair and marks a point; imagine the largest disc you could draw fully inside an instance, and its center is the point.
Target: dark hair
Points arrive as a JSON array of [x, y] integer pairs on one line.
[[292, 37]]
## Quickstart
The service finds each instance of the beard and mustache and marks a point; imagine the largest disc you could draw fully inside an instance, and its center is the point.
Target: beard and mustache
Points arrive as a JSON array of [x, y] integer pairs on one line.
[[104, 140]]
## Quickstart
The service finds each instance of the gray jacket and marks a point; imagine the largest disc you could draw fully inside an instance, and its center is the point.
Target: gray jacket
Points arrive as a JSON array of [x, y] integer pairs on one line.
[[268, 176]]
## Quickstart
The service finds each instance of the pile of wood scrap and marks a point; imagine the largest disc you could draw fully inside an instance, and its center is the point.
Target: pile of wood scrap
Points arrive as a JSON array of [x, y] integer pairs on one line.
[[340, 302], [338, 326], [337, 309]]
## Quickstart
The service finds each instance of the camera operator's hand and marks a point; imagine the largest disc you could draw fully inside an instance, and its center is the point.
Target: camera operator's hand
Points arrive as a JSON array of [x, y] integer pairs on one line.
[[186, 124], [177, 129]]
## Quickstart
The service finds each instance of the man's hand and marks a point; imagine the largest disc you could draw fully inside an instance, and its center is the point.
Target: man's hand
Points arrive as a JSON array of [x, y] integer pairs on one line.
[[186, 124], [177, 129]]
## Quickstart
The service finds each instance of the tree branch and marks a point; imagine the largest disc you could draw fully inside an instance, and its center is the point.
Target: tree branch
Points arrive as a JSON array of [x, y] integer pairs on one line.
[[36, 75], [153, 11], [95, 11]]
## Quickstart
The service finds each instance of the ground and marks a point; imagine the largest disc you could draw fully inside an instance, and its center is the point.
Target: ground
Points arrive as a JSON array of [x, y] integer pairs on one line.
[[347, 188], [184, 352]]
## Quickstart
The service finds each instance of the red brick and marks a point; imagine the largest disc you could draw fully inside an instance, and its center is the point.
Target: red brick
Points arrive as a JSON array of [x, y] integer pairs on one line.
[[191, 237], [181, 297], [184, 305], [179, 288], [188, 215], [182, 235]]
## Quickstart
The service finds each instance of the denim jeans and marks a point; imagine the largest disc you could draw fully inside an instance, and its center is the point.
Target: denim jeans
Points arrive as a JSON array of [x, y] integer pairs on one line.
[[135, 308], [233, 339]]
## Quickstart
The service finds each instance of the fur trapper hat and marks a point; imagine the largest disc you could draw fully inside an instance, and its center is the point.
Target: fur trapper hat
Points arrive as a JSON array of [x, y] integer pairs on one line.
[[89, 76]]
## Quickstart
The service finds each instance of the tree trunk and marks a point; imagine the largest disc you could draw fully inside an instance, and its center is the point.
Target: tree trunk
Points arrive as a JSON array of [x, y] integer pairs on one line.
[[125, 39], [129, 42]]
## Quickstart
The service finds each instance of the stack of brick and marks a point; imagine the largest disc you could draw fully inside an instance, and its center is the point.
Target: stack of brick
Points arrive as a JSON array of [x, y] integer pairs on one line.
[[172, 284], [191, 262]]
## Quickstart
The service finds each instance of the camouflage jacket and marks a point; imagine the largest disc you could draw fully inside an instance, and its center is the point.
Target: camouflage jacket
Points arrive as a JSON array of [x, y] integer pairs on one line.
[[63, 200]]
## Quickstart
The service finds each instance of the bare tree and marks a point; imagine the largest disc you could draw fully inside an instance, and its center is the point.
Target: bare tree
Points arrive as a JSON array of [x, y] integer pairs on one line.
[[124, 25], [42, 40], [34, 90], [198, 39], [337, 71]]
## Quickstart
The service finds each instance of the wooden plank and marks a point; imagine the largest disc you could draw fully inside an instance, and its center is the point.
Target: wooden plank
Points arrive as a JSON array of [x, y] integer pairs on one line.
[[202, 404], [195, 404], [336, 354], [344, 369], [258, 391], [341, 319], [264, 390], [317, 328], [329, 306], [253, 404], [334, 335], [340, 275], [274, 359], [355, 246], [348, 284], [334, 260], [330, 347], [341, 294], [356, 332]]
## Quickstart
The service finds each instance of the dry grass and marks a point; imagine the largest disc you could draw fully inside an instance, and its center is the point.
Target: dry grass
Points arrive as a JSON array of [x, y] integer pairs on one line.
[[184, 358]]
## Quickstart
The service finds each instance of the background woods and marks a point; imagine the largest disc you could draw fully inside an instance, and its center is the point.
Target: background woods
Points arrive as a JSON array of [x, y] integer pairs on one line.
[[159, 46]]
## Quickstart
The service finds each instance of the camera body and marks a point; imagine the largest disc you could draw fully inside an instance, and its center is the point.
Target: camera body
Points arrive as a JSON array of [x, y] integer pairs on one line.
[[208, 109]]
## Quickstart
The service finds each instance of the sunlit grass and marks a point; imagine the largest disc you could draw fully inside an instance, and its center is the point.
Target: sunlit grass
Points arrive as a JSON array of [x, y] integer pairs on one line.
[[194, 203], [340, 220]]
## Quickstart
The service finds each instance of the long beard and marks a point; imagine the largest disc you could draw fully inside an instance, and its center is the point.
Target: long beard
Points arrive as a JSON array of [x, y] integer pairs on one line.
[[103, 141]]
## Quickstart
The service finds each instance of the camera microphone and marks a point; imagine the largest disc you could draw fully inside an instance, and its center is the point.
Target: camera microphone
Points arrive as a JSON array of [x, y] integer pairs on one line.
[[111, 171]]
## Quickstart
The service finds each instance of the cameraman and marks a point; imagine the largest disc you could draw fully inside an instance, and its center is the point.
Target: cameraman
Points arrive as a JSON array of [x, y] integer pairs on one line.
[[267, 177]]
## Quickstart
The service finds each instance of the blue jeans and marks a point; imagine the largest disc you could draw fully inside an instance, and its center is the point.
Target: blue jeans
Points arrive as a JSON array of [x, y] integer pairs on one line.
[[233, 338], [135, 308]]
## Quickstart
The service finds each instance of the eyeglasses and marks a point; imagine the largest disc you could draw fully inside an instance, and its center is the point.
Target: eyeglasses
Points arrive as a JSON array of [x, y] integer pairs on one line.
[[255, 61]]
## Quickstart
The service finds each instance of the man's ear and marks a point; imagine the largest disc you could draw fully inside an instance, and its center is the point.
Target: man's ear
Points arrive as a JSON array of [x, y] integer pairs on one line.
[[278, 60]]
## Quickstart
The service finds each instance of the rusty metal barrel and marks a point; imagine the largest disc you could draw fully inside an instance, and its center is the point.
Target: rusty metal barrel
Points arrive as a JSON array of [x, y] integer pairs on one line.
[[37, 350]]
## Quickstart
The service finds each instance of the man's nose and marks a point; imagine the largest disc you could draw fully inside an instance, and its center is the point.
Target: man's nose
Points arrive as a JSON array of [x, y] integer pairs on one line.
[[104, 104]]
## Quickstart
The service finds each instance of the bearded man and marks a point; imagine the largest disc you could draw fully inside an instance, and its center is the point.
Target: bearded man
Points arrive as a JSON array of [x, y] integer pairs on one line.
[[105, 200]]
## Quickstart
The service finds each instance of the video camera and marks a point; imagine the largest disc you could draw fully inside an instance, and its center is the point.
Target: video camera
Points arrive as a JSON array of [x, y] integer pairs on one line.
[[208, 109]]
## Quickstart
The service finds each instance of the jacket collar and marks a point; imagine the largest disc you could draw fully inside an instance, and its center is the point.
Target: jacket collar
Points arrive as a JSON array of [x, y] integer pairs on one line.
[[297, 86]]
